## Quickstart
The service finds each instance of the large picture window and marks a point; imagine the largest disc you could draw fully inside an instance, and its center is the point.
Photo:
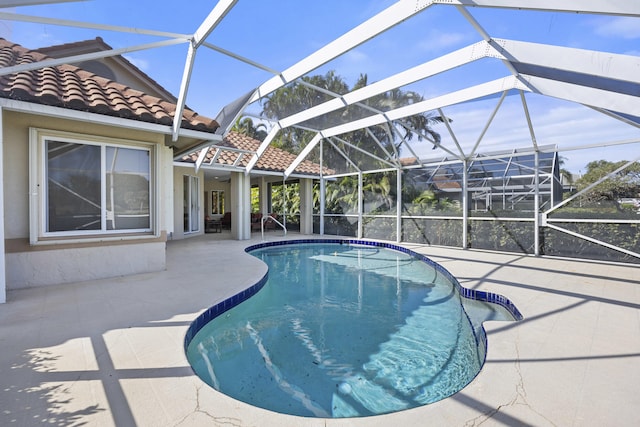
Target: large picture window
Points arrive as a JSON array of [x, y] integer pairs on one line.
[[93, 187]]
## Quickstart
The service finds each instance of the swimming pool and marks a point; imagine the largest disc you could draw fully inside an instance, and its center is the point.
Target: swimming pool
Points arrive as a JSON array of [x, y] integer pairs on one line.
[[344, 328]]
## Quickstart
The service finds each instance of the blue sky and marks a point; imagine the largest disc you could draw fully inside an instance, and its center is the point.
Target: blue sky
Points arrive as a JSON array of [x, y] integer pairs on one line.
[[279, 33]]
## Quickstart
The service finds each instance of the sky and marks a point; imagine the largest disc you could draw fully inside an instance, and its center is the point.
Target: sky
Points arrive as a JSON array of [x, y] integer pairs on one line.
[[278, 33]]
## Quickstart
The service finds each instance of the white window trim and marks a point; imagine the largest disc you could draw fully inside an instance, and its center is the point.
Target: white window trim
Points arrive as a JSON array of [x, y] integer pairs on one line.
[[37, 197]]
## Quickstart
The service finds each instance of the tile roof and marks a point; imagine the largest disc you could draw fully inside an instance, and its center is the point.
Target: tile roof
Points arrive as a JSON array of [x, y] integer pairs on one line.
[[68, 86], [408, 161], [71, 87], [443, 182], [99, 45], [273, 159], [81, 45]]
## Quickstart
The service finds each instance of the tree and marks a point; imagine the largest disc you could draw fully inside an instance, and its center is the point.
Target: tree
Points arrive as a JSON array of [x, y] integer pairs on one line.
[[379, 190], [623, 184], [303, 95], [246, 126], [341, 196], [285, 199], [297, 97], [565, 173]]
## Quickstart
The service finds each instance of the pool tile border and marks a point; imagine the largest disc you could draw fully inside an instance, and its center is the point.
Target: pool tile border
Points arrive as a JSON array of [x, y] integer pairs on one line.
[[220, 308]]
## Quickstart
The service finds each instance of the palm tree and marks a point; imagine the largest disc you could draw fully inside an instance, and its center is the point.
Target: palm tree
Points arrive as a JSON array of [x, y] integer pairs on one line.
[[566, 174], [302, 95], [396, 98], [341, 196], [297, 97], [246, 126], [380, 190]]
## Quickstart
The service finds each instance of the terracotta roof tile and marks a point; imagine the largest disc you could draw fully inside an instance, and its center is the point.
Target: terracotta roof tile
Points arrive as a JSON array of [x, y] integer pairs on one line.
[[273, 159], [46, 50], [97, 45], [71, 87], [408, 161]]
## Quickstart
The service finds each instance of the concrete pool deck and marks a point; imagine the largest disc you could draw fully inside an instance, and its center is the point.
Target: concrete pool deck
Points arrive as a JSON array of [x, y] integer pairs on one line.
[[110, 352]]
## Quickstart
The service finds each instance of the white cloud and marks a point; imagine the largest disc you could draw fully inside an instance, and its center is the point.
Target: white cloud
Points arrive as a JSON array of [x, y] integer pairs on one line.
[[626, 28], [356, 57], [438, 41], [554, 122]]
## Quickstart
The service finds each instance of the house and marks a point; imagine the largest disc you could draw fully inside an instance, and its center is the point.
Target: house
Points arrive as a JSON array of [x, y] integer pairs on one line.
[[87, 173], [92, 187], [115, 68], [222, 170]]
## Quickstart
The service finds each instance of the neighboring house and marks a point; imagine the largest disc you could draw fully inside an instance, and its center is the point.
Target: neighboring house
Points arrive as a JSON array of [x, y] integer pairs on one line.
[[87, 173]]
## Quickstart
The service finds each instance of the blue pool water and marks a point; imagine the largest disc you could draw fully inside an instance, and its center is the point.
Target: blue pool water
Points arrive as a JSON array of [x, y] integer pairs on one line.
[[343, 330]]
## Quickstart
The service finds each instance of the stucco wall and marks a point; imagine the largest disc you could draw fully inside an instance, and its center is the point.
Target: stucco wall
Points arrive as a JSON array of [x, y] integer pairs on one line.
[[28, 265], [41, 268]]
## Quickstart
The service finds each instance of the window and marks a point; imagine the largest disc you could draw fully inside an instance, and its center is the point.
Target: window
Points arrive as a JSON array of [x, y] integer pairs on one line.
[[217, 202], [87, 187]]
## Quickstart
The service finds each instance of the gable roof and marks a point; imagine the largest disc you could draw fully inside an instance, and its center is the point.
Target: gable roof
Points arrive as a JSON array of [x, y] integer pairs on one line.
[[71, 87], [272, 160]]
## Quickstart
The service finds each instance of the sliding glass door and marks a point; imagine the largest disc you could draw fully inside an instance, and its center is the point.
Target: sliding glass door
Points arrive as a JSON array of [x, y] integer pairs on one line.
[[191, 191]]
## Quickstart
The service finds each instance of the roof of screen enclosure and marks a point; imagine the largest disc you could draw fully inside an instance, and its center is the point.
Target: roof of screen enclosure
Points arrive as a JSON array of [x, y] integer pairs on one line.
[[605, 82]]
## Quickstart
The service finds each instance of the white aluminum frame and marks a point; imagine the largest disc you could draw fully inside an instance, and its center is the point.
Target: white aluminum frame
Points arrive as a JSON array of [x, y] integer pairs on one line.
[[511, 53]]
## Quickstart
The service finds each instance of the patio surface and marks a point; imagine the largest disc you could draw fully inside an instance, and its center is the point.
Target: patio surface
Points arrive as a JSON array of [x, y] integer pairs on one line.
[[110, 352]]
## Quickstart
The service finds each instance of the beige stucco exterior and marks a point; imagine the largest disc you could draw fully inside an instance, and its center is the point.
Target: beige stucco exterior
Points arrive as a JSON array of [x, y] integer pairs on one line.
[[77, 259]]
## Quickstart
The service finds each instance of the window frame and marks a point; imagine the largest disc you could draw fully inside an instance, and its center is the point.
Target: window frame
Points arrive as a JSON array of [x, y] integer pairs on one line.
[[38, 200], [217, 202]]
